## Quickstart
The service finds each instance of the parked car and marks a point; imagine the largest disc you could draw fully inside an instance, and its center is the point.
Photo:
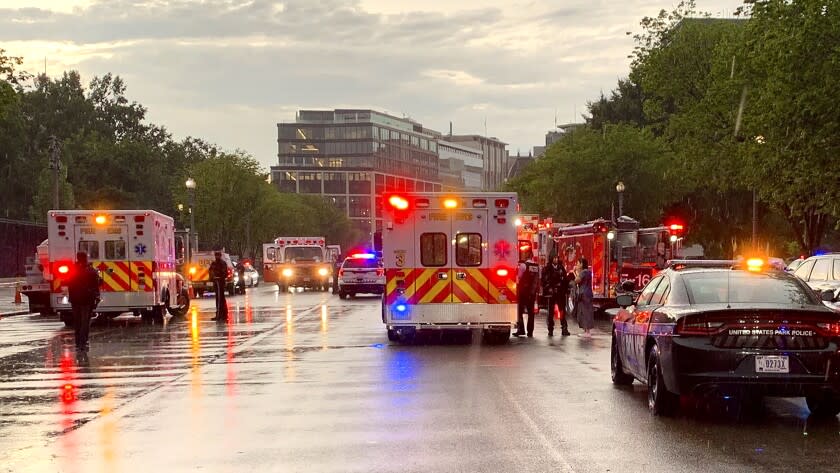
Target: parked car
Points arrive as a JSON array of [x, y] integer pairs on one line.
[[361, 273], [732, 331], [821, 272], [245, 275]]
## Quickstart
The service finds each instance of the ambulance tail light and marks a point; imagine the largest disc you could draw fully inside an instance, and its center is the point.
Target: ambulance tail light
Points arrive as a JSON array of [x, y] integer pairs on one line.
[[63, 268], [502, 272], [61, 218]]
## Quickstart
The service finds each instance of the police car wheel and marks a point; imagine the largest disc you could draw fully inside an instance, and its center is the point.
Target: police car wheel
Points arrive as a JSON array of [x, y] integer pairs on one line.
[[392, 335], [660, 401]]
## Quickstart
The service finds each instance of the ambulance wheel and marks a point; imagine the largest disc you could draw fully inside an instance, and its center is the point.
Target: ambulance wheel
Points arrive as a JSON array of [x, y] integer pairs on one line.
[[392, 335], [146, 317], [158, 314], [496, 337], [342, 295], [67, 318]]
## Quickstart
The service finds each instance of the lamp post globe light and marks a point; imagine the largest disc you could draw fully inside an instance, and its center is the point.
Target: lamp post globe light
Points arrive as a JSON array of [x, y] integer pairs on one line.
[[191, 189], [619, 188]]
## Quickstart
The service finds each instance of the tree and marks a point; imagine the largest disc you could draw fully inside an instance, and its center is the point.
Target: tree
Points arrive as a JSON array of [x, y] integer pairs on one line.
[[624, 105], [791, 120]]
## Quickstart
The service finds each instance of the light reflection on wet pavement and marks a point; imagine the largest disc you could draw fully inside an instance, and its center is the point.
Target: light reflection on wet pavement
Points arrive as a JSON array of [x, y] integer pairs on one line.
[[306, 382]]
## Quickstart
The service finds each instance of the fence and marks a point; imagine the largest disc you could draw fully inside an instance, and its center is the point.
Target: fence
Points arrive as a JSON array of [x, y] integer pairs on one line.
[[18, 240]]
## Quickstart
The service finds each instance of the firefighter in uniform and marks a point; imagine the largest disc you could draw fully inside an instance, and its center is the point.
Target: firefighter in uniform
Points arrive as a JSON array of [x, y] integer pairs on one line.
[[555, 283], [527, 283], [218, 274], [83, 291]]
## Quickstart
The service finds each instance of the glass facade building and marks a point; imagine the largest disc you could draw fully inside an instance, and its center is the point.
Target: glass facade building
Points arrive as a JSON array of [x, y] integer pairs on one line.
[[352, 156]]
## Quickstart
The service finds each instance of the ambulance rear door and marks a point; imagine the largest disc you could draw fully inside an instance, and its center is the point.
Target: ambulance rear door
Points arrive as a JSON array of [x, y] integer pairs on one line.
[[106, 244], [469, 262], [433, 268]]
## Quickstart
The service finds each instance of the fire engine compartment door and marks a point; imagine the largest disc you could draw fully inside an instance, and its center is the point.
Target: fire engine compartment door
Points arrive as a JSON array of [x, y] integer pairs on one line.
[[433, 266], [107, 247], [469, 261]]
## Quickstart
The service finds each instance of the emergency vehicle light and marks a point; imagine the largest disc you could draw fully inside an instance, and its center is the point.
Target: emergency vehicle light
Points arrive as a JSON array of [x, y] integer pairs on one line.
[[518, 222], [479, 203], [61, 218], [63, 269], [502, 272], [450, 203], [364, 256], [755, 264], [398, 202], [502, 203], [100, 220], [675, 227], [422, 203]]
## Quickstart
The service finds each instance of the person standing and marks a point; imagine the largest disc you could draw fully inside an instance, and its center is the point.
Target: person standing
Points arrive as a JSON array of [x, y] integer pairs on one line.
[[218, 274], [583, 307], [527, 282], [84, 296], [555, 283]]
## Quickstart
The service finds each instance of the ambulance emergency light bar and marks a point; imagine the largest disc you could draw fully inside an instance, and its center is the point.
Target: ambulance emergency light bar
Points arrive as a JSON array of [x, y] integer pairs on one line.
[[399, 202]]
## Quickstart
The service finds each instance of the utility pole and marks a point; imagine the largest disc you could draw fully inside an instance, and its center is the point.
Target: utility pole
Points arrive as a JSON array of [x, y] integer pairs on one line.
[[55, 165]]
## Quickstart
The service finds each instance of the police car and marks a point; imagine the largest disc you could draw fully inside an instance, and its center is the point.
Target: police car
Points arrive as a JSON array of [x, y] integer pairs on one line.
[[361, 273], [729, 329]]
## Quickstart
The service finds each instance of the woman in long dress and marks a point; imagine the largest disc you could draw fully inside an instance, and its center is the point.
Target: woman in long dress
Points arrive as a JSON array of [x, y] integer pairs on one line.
[[585, 312]]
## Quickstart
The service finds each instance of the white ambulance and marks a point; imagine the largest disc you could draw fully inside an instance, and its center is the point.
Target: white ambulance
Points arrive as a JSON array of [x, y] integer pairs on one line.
[[450, 262], [297, 262], [133, 250]]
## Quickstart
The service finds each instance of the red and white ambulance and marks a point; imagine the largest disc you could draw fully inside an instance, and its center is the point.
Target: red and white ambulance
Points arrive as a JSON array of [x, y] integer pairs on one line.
[[450, 262], [133, 250]]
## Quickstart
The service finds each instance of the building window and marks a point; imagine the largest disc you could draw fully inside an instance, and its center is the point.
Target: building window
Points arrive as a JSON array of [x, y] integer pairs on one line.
[[360, 206], [335, 183], [338, 201], [359, 182], [309, 182], [433, 249], [286, 181]]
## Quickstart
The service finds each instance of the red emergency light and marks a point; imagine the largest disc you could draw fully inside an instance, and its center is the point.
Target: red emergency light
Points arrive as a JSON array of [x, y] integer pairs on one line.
[[676, 227], [398, 202]]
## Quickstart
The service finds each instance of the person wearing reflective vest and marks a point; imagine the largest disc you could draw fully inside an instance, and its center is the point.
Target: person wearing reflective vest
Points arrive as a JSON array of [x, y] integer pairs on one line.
[[527, 283]]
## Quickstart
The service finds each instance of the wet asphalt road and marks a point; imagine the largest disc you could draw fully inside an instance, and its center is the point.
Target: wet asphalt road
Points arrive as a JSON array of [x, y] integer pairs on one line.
[[307, 382]]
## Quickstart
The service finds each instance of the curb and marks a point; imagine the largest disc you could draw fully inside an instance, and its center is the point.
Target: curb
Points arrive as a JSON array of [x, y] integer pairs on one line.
[[20, 312]]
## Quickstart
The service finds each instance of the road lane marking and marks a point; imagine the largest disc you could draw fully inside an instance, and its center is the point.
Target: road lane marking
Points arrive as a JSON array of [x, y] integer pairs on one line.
[[563, 464]]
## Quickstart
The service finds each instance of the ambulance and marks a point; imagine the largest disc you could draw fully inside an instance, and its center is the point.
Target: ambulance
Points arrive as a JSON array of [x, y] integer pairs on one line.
[[133, 250], [298, 262], [198, 273], [450, 263]]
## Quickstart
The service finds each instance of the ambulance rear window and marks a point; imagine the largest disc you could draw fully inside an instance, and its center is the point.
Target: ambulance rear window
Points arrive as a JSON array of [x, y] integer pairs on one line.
[[115, 249], [468, 249], [91, 248], [433, 249]]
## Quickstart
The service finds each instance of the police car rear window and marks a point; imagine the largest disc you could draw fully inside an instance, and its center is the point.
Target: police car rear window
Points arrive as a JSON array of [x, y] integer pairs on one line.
[[721, 287], [433, 249]]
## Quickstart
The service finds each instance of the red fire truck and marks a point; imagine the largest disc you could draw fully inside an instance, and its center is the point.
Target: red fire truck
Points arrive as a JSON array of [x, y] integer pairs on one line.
[[616, 252]]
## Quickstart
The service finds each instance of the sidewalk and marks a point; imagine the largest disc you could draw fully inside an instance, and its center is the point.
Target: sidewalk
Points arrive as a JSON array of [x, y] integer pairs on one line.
[[7, 301]]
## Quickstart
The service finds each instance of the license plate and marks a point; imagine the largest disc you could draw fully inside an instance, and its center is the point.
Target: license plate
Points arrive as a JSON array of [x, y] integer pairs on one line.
[[771, 364]]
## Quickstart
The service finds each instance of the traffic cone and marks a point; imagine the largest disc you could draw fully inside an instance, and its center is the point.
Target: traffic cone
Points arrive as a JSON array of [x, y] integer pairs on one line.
[[191, 292], [18, 299]]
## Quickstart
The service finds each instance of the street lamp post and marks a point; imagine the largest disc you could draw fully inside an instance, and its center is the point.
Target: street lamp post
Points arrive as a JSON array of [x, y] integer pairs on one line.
[[191, 189], [619, 188], [759, 140]]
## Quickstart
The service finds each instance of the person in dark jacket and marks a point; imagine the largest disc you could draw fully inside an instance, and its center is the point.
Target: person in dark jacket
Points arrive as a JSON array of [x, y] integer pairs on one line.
[[84, 295], [555, 283], [527, 283], [218, 274]]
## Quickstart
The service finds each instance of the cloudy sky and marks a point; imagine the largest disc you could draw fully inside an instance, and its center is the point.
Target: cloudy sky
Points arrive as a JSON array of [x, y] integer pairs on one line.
[[229, 70]]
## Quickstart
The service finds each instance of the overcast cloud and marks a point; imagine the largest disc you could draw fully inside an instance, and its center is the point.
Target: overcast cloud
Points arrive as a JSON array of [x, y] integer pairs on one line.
[[229, 70]]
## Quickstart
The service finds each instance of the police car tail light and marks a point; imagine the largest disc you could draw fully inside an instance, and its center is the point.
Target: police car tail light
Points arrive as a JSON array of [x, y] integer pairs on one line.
[[831, 329], [695, 326], [380, 271]]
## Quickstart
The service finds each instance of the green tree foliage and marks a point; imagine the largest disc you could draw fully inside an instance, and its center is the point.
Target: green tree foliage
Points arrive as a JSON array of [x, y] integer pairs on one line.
[[791, 124], [575, 180]]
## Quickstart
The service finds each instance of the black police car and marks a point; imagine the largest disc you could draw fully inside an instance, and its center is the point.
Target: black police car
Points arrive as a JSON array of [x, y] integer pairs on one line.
[[701, 328]]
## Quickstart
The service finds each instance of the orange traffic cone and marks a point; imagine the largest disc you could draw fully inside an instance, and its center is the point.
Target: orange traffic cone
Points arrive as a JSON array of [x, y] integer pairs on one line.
[[18, 299], [191, 292]]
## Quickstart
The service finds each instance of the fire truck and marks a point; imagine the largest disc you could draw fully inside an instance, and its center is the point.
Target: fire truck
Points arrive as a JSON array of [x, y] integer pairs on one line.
[[450, 263], [133, 250], [297, 262], [616, 252], [527, 234]]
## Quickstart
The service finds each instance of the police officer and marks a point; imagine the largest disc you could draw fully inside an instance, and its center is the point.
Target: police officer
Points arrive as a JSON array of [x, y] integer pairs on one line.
[[555, 283], [83, 291], [527, 283], [218, 274]]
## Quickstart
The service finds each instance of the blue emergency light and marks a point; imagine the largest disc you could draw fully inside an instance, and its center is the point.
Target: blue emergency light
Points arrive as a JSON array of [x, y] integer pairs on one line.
[[364, 256]]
